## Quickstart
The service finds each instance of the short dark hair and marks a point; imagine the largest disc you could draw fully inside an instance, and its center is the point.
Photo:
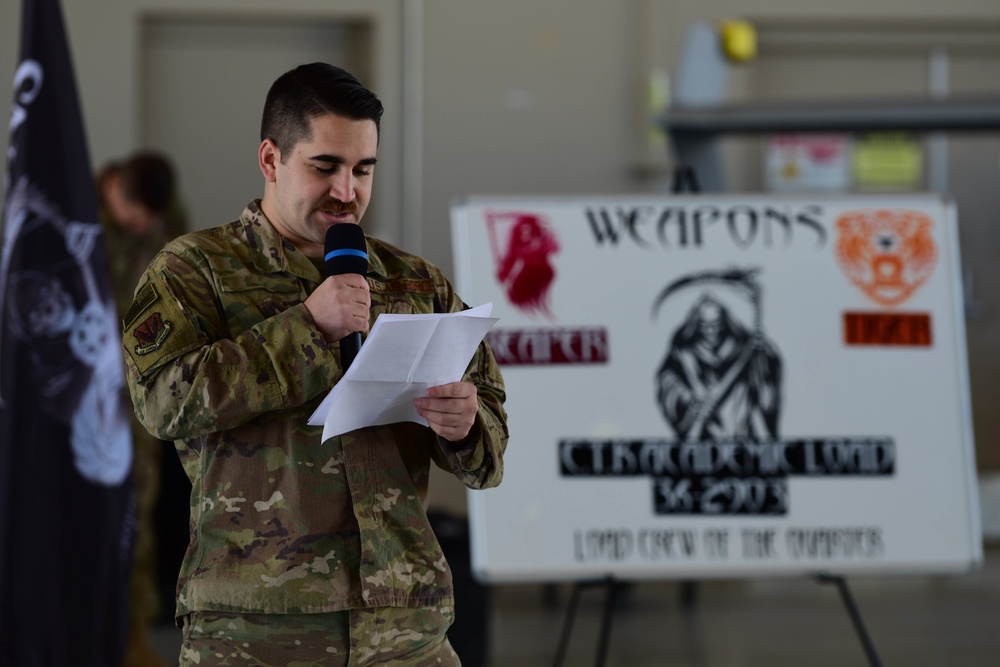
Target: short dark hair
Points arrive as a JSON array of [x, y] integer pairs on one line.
[[147, 177], [308, 91]]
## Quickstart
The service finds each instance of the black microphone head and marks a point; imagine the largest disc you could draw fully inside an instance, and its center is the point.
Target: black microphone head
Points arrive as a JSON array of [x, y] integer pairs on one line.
[[346, 250]]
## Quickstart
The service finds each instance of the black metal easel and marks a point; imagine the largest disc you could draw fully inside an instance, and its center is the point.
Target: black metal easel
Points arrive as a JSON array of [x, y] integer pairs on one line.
[[614, 590], [686, 181]]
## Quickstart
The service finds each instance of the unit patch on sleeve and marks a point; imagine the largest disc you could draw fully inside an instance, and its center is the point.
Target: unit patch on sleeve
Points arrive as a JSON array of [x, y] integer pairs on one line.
[[156, 329], [151, 334]]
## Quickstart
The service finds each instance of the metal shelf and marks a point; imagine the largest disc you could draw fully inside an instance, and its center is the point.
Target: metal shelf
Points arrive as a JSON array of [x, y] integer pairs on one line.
[[700, 113], [693, 130], [915, 115]]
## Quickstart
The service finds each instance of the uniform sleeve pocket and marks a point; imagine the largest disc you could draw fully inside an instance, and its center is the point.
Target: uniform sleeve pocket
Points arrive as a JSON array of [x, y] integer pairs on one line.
[[156, 330]]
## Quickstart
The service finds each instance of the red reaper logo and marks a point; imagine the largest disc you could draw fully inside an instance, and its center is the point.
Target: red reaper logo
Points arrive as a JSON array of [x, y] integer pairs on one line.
[[523, 266]]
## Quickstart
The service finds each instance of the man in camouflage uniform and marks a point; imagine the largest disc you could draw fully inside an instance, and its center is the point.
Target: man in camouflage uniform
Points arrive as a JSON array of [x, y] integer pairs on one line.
[[303, 552]]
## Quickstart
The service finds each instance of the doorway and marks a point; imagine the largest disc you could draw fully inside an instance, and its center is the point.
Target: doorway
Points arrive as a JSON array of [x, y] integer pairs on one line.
[[203, 83]]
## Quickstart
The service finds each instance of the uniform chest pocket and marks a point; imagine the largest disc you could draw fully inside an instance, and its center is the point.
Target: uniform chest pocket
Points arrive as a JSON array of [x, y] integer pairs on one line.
[[403, 297], [249, 300]]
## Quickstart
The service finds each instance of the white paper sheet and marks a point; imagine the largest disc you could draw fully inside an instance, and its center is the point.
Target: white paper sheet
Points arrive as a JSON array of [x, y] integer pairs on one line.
[[402, 357]]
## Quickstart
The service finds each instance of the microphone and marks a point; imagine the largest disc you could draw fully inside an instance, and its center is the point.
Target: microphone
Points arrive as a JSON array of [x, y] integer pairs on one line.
[[346, 252]]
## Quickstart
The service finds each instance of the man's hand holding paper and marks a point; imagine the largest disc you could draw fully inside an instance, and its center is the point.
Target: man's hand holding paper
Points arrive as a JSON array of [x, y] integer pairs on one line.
[[450, 410], [410, 369]]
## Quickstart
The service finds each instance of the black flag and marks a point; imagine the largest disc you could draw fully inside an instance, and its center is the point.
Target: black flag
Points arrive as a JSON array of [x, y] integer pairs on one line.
[[66, 503]]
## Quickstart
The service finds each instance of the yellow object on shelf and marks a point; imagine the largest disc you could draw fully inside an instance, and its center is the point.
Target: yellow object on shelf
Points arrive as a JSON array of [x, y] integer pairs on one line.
[[739, 40]]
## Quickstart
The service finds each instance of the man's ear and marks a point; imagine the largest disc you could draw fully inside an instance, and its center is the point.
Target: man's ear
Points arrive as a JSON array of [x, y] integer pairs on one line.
[[268, 157]]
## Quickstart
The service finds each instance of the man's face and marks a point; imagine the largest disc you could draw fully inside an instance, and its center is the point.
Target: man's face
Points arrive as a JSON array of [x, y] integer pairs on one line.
[[322, 181]]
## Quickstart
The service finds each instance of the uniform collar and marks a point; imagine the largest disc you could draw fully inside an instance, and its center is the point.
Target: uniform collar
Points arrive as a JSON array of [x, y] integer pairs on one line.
[[272, 252], [375, 266]]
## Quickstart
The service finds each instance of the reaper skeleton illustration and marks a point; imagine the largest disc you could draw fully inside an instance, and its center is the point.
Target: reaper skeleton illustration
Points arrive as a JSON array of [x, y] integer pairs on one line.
[[719, 379]]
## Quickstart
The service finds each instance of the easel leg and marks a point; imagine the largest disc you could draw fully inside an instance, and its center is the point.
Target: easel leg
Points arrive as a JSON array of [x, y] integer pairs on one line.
[[574, 603], [855, 614], [610, 602], [614, 589], [688, 594], [685, 180]]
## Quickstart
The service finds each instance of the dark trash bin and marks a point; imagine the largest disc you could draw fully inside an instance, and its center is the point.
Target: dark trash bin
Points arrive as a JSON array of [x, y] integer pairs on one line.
[[469, 635]]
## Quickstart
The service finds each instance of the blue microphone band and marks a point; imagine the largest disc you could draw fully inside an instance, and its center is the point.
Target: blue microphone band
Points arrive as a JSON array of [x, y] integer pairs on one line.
[[346, 251]]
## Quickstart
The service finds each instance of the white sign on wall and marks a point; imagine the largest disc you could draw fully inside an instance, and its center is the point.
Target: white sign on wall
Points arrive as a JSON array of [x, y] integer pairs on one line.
[[709, 386], [807, 163]]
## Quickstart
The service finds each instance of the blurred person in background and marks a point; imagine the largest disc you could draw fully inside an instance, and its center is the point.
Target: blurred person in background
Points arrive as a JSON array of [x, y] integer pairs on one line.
[[140, 212]]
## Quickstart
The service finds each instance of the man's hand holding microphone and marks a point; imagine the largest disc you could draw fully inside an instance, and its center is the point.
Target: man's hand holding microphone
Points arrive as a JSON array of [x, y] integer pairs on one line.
[[340, 308]]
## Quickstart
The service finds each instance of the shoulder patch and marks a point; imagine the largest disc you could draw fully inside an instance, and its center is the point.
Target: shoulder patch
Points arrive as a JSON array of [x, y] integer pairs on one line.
[[156, 329], [145, 298], [152, 333]]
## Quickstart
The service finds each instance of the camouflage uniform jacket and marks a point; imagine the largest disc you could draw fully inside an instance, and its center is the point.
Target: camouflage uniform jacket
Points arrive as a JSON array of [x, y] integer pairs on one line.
[[223, 358]]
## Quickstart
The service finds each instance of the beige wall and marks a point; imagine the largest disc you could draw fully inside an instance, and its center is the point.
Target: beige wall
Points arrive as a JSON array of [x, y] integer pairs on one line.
[[104, 39], [520, 96]]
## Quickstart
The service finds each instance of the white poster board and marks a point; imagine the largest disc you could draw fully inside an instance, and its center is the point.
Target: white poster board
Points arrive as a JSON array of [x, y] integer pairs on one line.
[[723, 386]]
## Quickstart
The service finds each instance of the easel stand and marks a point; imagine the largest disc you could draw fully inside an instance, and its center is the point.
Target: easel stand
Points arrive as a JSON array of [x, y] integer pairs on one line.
[[614, 589], [685, 180], [613, 592], [855, 614]]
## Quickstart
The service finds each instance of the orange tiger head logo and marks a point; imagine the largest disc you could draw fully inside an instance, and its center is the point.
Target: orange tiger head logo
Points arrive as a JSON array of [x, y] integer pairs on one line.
[[887, 253]]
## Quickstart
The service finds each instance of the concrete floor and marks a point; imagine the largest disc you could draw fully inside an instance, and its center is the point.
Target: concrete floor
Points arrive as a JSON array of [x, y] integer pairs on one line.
[[913, 621]]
